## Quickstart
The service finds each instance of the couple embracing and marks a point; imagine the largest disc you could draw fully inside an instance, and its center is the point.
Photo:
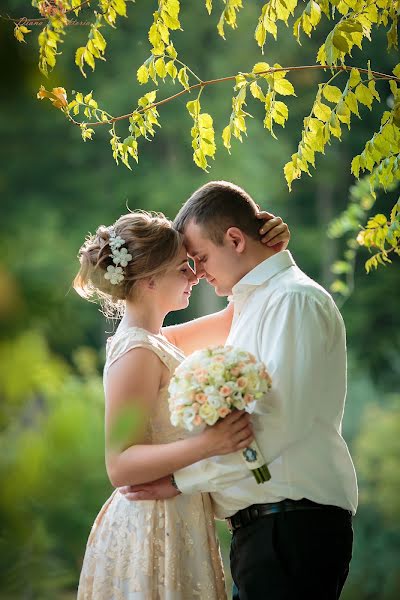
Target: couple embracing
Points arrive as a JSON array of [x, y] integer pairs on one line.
[[154, 539]]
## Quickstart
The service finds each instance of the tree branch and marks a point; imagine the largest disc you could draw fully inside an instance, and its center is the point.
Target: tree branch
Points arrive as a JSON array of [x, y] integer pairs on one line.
[[203, 84], [42, 19]]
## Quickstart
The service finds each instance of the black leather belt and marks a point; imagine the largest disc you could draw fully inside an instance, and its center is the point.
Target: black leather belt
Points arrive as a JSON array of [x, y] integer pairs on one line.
[[255, 511]]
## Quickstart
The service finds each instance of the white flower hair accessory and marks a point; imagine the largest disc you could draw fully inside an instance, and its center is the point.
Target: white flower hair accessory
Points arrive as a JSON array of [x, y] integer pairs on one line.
[[114, 274], [120, 256]]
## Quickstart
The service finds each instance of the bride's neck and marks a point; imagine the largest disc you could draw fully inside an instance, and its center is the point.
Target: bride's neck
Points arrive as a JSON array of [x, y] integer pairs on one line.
[[142, 314]]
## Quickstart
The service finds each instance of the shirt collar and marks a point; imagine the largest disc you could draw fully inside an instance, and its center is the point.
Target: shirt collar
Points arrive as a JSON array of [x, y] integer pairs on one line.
[[264, 271]]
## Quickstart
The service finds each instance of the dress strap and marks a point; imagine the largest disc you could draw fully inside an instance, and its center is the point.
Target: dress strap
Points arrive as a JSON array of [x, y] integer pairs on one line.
[[135, 337]]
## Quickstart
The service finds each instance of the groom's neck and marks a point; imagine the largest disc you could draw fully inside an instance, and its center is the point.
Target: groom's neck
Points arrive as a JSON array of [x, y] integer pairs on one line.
[[257, 253]]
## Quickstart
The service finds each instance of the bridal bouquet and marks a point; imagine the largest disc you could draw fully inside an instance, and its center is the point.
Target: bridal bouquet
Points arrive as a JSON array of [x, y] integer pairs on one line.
[[211, 383]]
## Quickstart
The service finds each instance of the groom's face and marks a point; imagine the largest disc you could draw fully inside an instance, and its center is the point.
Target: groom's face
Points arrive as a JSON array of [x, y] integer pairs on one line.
[[217, 264]]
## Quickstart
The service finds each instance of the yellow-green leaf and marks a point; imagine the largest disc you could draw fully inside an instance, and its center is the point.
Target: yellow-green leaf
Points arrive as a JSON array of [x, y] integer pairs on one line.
[[355, 166], [332, 93], [193, 107], [79, 59], [171, 51], [160, 68], [322, 111], [284, 87], [171, 69], [88, 57], [291, 173], [261, 67], [183, 77], [260, 35], [205, 120], [200, 159], [354, 78], [377, 221], [340, 42], [142, 74], [352, 103], [257, 91], [226, 137], [364, 95], [334, 126]]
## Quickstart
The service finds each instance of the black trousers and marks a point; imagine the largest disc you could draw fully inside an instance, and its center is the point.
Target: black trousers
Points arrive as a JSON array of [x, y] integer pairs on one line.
[[297, 555]]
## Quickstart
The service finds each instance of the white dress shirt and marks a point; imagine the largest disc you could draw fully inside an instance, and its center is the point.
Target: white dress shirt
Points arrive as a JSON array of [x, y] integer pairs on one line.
[[292, 324]]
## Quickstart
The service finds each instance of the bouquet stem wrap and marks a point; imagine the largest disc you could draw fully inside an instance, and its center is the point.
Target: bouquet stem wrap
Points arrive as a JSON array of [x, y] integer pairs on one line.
[[255, 462]]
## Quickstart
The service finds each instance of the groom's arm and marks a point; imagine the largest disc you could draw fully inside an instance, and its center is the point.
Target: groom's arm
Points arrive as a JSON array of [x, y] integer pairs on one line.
[[211, 475], [203, 476]]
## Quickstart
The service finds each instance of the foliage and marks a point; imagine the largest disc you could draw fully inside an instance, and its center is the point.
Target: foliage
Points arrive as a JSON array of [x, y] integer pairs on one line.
[[351, 23], [380, 234], [378, 451], [374, 572], [51, 467], [55, 190], [43, 373]]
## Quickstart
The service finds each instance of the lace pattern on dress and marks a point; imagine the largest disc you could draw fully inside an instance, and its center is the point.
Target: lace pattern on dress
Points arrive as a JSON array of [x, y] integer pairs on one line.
[[152, 550]]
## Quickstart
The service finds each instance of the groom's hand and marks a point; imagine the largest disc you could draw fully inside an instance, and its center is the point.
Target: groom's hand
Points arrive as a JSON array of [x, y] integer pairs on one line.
[[274, 231], [161, 489]]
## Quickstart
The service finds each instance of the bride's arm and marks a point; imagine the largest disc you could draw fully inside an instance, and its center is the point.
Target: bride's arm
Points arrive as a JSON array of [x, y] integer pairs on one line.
[[205, 331], [132, 389]]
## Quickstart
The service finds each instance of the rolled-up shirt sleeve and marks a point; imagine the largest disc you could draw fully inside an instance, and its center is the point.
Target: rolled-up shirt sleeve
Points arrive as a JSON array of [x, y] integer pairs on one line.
[[211, 475]]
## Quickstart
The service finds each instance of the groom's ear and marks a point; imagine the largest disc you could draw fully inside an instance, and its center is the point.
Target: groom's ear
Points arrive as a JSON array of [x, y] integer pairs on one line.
[[236, 238]]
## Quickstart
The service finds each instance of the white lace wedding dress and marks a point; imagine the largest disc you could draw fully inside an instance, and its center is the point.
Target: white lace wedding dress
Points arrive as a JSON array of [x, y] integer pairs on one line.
[[155, 549]]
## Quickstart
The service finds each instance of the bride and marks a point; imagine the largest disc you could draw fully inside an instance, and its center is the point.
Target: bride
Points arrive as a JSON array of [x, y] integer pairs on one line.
[[152, 550]]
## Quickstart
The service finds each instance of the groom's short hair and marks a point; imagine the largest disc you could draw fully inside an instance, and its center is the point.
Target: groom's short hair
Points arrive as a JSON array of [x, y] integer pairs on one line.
[[216, 206]]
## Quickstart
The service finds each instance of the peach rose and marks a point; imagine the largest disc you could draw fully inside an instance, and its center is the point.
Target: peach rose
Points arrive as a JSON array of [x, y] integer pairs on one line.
[[200, 372], [219, 358], [265, 375], [200, 397], [224, 411], [225, 390], [235, 371], [201, 375], [242, 382]]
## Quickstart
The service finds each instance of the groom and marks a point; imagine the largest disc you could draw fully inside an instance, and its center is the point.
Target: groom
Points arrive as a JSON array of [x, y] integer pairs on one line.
[[292, 536]]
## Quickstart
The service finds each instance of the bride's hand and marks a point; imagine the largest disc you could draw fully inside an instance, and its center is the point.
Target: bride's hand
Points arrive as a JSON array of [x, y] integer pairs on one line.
[[230, 434], [274, 231]]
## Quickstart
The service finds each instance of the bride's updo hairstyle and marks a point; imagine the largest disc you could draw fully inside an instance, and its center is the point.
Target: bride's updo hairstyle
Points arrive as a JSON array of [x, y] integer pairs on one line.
[[153, 244]]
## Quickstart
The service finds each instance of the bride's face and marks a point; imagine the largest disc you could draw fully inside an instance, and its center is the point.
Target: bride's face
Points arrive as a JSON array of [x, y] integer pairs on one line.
[[175, 286]]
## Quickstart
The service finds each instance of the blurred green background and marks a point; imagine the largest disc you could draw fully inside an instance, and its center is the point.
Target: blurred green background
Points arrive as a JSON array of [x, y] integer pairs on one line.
[[54, 189]]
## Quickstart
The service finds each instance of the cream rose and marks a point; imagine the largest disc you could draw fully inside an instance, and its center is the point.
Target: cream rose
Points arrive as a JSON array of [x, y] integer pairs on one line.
[[208, 414]]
